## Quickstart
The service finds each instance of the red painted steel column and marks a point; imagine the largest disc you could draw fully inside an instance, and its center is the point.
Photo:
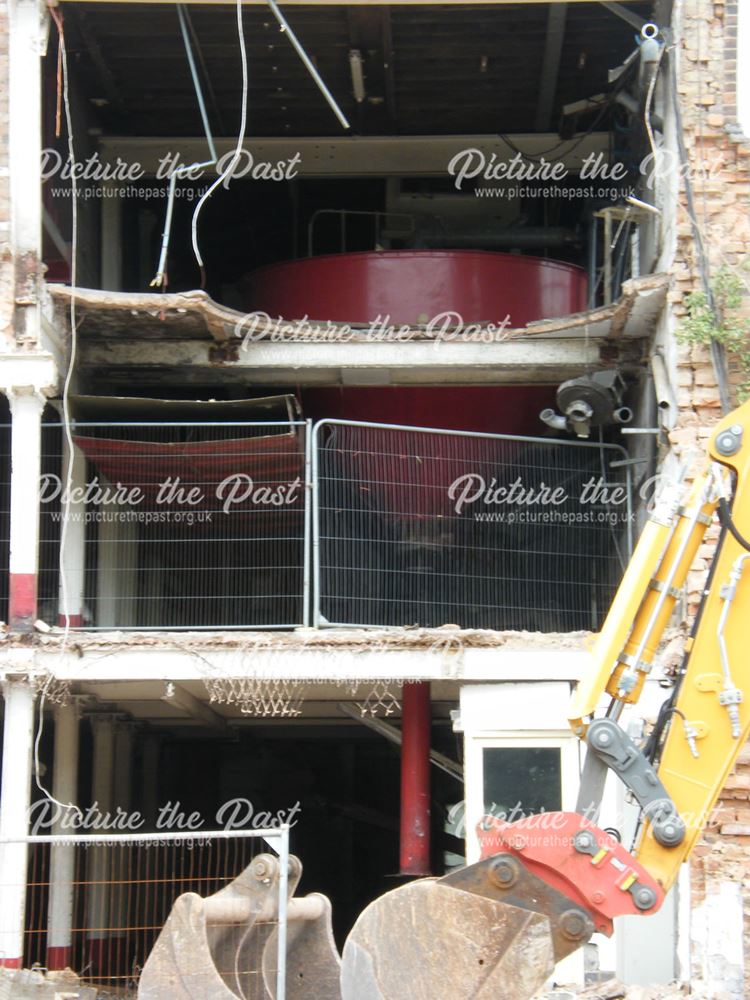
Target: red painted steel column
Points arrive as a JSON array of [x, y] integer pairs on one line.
[[415, 780]]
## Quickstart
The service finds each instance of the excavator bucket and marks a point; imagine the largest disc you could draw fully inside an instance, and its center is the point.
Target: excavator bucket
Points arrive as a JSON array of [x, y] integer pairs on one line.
[[429, 941], [224, 946], [496, 928], [493, 929]]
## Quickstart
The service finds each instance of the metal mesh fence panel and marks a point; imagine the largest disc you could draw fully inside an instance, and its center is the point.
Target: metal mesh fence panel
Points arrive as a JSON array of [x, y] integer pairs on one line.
[[178, 526], [418, 527], [120, 896]]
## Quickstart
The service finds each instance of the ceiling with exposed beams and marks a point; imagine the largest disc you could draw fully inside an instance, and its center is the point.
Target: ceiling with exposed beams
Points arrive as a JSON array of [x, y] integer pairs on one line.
[[428, 70]]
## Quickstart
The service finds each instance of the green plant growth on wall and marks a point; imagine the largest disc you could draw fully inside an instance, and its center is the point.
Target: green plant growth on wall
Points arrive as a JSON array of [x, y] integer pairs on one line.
[[720, 323]]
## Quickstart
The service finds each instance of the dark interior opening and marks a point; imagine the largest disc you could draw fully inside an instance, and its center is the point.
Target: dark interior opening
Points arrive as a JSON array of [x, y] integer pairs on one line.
[[338, 784], [427, 71]]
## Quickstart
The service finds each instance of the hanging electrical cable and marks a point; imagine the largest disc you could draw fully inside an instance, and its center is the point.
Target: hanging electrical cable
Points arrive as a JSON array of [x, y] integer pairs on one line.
[[575, 142], [160, 280], [226, 175], [570, 144], [228, 172], [64, 90]]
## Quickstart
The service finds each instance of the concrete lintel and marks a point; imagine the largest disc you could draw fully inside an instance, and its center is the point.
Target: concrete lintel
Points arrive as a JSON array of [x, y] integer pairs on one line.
[[37, 372], [355, 363], [187, 337], [322, 664], [352, 156]]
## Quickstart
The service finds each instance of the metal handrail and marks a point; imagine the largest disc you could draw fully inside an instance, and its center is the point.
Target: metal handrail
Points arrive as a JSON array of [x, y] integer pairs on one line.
[[343, 213]]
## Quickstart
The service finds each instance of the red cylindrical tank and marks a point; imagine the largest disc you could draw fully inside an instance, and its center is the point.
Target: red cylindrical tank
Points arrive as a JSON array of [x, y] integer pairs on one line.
[[415, 286]]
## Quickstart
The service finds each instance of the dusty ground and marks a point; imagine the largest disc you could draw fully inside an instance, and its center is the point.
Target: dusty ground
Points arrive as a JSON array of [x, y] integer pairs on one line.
[[613, 990]]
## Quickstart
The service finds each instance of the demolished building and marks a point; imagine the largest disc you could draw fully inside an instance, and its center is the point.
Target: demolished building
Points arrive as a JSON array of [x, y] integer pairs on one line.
[[276, 570]]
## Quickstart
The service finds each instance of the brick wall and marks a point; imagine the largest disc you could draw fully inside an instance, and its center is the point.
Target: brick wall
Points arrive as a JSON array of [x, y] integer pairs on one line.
[[6, 268], [724, 852], [719, 159], [720, 169]]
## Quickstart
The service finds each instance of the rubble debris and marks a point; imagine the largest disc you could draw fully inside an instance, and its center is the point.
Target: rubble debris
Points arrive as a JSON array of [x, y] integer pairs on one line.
[[38, 984], [614, 990]]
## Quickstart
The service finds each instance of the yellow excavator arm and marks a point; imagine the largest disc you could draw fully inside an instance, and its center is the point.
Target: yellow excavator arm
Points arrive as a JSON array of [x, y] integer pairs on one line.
[[705, 723]]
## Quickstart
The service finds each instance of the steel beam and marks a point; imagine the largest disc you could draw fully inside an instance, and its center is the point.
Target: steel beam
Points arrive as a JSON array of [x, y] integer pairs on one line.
[[621, 11], [179, 697], [556, 18], [393, 735]]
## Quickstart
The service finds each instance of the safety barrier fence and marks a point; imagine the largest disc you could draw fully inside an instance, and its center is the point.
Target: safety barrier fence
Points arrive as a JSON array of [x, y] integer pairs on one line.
[[176, 525], [96, 905], [275, 525], [414, 526]]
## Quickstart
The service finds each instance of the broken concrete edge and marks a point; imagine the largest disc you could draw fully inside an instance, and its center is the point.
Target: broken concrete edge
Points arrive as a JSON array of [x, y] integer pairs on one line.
[[115, 312], [445, 639]]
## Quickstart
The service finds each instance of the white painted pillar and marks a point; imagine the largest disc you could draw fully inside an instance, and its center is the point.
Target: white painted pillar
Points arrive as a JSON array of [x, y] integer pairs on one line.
[[18, 736], [26, 406], [62, 860], [98, 868], [71, 594], [27, 35]]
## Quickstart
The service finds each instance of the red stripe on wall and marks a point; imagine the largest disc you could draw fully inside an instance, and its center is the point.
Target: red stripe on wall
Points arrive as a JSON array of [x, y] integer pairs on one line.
[[59, 958], [22, 600]]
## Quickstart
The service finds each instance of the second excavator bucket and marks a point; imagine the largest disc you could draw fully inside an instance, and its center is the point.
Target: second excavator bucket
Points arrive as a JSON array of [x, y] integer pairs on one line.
[[224, 946], [430, 941]]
